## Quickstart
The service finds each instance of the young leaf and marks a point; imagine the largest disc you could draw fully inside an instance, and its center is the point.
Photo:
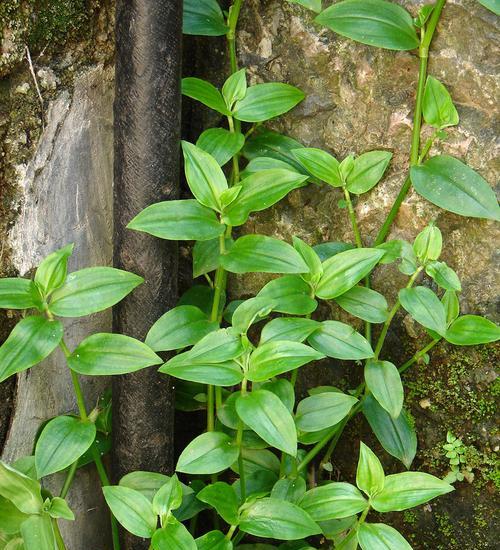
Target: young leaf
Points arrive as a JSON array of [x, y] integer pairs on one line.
[[365, 303], [91, 290], [314, 5], [205, 93], [333, 501], [51, 273], [168, 497], [470, 330], [370, 473], [147, 483], [266, 415], [265, 101], [106, 354], [340, 341], [346, 167], [260, 191], [320, 164], [249, 312], [373, 22], [290, 294], [178, 328], [204, 176], [235, 88], [378, 536], [397, 436], [63, 441], [59, 509], [323, 410], [384, 381], [342, 271], [451, 306], [183, 220], [311, 258], [221, 144], [428, 244], [173, 536], [438, 108], [37, 533], [21, 490], [254, 253], [217, 346], [453, 186], [277, 357], [277, 519], [203, 17], [424, 306], [214, 540], [367, 171], [17, 293], [444, 276], [283, 389], [32, 340], [222, 497], [293, 329], [408, 489], [208, 453], [132, 509]]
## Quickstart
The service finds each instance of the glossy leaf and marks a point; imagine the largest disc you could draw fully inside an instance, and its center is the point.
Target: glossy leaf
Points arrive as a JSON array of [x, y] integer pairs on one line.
[[168, 497], [323, 410], [452, 185], [51, 273], [320, 164], [91, 290], [290, 294], [178, 220], [424, 306], [205, 93], [208, 453], [444, 276], [378, 536], [340, 341], [249, 312], [373, 22], [265, 101], [235, 87], [17, 293], [38, 534], [206, 256], [333, 501], [173, 536], [147, 483], [106, 354], [59, 509], [267, 163], [311, 258], [63, 441], [291, 490], [383, 380], [370, 473], [32, 340], [268, 417], [367, 171], [293, 329], [213, 540], [10, 517], [221, 144], [222, 497], [203, 17], [438, 108], [365, 303], [21, 490], [470, 330], [277, 519], [223, 373], [428, 244], [257, 253], [451, 306]]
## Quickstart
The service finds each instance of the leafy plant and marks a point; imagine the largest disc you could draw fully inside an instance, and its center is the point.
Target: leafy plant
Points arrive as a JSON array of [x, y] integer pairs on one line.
[[239, 361]]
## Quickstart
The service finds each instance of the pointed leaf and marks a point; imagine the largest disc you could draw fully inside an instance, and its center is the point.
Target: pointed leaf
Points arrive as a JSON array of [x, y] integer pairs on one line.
[[293, 329], [51, 273], [222, 497], [213, 540], [221, 144], [470, 330], [173, 536], [208, 453], [203, 17], [370, 473], [320, 164], [323, 410], [367, 171], [205, 93], [38, 534], [424, 306], [365, 303], [340, 341], [378, 536], [235, 87], [21, 490], [438, 108], [383, 380], [333, 501], [290, 294], [17, 293]]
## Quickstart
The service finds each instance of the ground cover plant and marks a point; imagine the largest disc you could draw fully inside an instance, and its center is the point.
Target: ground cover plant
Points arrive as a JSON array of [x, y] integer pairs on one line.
[[249, 474]]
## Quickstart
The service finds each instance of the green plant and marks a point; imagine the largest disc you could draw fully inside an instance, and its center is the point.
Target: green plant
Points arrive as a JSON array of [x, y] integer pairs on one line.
[[455, 452], [251, 464]]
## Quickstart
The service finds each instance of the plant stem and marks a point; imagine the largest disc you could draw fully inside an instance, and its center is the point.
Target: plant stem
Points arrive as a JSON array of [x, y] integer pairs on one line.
[[230, 533], [423, 52], [232, 22], [69, 479], [57, 535], [418, 355], [239, 441], [352, 217]]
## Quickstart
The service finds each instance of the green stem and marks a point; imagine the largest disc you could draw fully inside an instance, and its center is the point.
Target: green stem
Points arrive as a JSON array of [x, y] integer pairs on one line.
[[69, 480], [232, 22], [57, 535], [239, 444], [352, 217], [418, 355], [230, 533]]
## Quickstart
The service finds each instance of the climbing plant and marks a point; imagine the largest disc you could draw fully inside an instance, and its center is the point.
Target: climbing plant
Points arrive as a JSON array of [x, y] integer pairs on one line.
[[239, 361]]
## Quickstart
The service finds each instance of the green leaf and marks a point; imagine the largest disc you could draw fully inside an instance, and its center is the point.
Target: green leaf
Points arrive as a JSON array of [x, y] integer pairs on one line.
[[451, 306], [62, 442], [217, 346], [208, 453], [214, 540], [444, 276], [260, 191], [438, 108], [320, 164], [106, 354], [267, 163], [221, 144], [204, 176], [291, 490], [222, 497], [424, 306], [10, 518], [249, 312], [235, 87], [311, 258], [277, 357], [51, 273], [168, 497], [373, 22], [290, 294], [91, 290], [335, 500], [203, 17], [265, 101], [384, 381], [223, 373], [293, 329], [283, 389], [59, 509], [344, 270], [14, 544], [132, 510], [205, 93], [178, 220], [147, 483], [492, 5], [408, 489], [191, 506], [257, 253], [365, 303], [17, 293], [32, 340], [453, 186], [314, 5], [428, 244], [397, 436], [340, 341], [378, 536], [268, 417], [277, 519], [370, 476], [323, 410], [37, 533], [206, 256], [21, 490], [200, 296], [178, 328], [470, 330], [346, 167], [326, 250], [173, 536], [367, 171]]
